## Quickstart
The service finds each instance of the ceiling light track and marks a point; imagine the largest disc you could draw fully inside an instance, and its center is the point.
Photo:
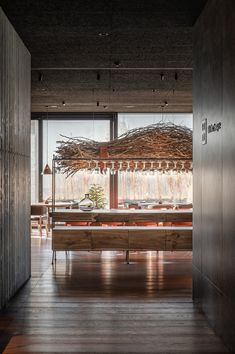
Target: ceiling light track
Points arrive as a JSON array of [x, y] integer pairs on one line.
[[115, 69]]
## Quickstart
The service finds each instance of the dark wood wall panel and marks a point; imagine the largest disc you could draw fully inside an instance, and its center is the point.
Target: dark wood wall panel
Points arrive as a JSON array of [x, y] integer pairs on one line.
[[14, 161], [214, 167]]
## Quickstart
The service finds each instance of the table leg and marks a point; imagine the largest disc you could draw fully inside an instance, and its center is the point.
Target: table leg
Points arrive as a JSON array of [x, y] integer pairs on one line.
[[48, 220], [127, 257], [40, 225], [53, 257]]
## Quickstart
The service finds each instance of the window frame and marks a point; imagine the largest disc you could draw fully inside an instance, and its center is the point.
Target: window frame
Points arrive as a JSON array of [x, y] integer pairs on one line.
[[112, 117]]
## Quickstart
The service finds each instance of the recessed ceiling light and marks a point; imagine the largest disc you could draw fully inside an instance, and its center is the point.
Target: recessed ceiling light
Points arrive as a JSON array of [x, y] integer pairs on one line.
[[117, 63], [103, 34], [53, 106]]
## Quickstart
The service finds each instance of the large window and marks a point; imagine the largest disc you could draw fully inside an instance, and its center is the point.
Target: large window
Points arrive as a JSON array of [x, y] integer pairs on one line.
[[146, 186], [45, 135]]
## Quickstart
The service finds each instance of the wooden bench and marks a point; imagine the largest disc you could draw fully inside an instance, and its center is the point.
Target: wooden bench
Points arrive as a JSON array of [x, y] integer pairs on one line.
[[125, 238]]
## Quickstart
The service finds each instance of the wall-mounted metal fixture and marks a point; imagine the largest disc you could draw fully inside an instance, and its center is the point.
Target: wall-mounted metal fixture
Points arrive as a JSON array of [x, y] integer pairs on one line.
[[40, 77], [204, 131], [214, 127]]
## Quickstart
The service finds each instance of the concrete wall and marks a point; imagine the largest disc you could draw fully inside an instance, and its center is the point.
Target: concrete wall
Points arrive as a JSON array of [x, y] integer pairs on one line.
[[14, 161], [214, 167]]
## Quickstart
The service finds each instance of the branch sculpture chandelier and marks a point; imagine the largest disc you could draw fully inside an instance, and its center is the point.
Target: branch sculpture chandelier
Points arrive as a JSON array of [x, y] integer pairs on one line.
[[159, 147]]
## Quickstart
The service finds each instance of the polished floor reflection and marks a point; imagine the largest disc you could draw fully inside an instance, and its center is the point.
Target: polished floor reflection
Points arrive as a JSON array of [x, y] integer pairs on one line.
[[93, 302]]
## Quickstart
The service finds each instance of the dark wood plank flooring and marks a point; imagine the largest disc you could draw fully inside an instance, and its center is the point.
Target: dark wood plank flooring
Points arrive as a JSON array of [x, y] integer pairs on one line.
[[95, 303]]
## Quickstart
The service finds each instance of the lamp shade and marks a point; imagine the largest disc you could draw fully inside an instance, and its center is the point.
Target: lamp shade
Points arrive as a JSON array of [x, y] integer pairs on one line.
[[47, 170]]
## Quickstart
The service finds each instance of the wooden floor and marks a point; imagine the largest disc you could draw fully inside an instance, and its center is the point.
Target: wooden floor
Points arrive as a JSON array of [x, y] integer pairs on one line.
[[95, 303]]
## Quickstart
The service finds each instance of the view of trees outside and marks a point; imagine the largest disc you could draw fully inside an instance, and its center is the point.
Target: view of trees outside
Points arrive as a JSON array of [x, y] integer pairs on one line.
[[149, 186]]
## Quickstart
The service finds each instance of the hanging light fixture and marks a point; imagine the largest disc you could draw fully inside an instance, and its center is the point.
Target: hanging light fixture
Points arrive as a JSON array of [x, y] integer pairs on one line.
[[47, 169]]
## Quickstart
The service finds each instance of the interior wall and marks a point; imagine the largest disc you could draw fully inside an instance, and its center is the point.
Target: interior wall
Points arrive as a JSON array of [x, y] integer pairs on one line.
[[14, 161], [214, 167]]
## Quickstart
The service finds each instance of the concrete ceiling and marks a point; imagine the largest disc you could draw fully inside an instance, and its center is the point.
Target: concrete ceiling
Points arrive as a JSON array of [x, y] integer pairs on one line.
[[108, 55]]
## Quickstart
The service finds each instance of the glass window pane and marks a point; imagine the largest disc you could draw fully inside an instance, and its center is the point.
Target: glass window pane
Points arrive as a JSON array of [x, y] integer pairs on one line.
[[130, 121], [76, 186], [153, 187]]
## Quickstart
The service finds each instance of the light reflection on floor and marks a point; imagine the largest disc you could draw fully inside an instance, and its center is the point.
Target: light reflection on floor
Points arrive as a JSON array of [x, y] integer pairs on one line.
[[112, 265]]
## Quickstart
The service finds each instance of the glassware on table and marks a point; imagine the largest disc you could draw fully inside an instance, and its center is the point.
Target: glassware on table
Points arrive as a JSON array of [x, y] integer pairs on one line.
[[86, 204]]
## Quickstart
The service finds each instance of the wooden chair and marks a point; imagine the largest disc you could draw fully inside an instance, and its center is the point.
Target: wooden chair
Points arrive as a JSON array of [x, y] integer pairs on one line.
[[38, 216], [133, 206]]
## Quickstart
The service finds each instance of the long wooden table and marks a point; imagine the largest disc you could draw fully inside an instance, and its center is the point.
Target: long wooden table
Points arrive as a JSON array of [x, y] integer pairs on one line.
[[88, 238], [119, 215]]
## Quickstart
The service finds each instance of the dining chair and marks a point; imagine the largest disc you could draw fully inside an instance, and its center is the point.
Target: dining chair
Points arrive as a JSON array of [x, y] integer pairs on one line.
[[38, 216], [184, 206]]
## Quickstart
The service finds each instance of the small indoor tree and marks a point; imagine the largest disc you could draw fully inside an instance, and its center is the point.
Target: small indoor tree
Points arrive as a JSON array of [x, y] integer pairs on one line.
[[96, 194]]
